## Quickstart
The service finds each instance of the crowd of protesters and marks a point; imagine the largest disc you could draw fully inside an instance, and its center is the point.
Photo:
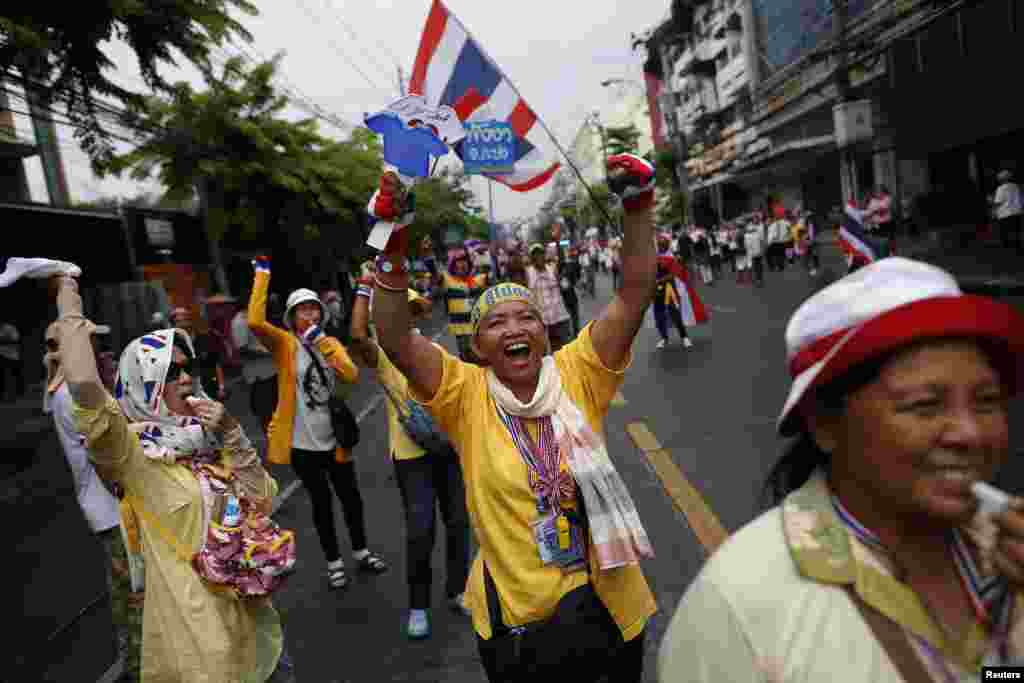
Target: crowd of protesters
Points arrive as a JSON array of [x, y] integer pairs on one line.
[[876, 560]]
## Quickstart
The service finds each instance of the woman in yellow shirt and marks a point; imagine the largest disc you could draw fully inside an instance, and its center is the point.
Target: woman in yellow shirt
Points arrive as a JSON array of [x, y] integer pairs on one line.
[[309, 366], [557, 587], [426, 480]]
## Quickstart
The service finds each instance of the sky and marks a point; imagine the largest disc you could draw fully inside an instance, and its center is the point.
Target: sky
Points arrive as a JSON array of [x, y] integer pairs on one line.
[[343, 55]]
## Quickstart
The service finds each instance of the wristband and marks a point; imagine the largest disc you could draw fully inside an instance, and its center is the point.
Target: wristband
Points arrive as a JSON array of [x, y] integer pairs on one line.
[[390, 265], [261, 264]]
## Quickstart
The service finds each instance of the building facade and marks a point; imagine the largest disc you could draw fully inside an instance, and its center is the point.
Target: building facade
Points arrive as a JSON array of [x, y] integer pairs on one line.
[[750, 90]]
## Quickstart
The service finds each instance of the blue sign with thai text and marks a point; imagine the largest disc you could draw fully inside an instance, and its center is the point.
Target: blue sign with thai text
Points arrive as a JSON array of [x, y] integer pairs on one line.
[[489, 147]]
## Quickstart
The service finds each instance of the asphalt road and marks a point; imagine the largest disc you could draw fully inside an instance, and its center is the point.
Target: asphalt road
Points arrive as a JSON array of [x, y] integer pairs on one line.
[[712, 408]]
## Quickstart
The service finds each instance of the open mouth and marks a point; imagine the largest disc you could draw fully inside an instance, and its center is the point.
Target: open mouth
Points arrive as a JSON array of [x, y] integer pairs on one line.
[[518, 351]]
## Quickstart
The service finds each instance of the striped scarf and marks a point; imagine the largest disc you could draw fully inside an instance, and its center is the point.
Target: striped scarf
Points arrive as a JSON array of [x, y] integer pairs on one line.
[[616, 533]]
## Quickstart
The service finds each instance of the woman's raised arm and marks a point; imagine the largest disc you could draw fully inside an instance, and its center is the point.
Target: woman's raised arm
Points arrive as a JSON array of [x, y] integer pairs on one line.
[[614, 331]]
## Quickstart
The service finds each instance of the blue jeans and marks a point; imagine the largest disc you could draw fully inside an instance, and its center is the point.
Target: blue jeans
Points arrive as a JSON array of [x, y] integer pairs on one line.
[[433, 479]]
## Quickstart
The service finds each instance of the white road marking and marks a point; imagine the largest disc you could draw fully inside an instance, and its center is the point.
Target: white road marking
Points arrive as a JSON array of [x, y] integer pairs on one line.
[[722, 309], [367, 410]]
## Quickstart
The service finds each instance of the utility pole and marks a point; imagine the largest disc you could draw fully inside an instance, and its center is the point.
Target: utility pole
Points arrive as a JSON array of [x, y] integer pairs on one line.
[[675, 131], [847, 166]]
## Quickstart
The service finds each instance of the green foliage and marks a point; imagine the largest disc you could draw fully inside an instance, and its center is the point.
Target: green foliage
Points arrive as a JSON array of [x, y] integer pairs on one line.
[[665, 162], [231, 142], [445, 200], [672, 210], [590, 211], [622, 139], [60, 49]]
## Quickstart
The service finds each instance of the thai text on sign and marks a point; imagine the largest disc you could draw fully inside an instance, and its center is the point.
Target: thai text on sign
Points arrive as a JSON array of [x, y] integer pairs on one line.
[[489, 147]]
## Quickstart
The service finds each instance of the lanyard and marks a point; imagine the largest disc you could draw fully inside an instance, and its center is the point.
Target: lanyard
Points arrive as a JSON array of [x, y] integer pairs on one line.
[[991, 598], [542, 459]]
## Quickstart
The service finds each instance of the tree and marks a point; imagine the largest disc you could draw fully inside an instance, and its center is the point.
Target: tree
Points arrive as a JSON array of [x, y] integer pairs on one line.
[[442, 201], [622, 139], [673, 208], [229, 145], [59, 52]]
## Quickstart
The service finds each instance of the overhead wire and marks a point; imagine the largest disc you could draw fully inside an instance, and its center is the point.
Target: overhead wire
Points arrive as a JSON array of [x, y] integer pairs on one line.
[[384, 48], [296, 97], [351, 32], [334, 45]]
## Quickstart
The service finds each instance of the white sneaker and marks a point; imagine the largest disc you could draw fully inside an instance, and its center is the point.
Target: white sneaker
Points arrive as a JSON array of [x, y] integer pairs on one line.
[[418, 626], [663, 343], [687, 343]]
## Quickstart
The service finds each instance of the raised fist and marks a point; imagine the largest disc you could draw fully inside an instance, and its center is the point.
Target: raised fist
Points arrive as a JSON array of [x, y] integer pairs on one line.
[[387, 202], [631, 178]]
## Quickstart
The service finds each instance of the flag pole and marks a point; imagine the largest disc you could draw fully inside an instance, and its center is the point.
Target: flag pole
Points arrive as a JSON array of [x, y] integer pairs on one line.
[[547, 130]]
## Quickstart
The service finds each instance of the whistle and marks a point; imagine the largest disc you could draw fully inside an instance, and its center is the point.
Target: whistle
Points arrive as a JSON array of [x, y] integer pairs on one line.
[[991, 500], [564, 537]]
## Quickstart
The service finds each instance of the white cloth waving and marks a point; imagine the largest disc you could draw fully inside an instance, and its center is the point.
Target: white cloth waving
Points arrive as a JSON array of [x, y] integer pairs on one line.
[[35, 268]]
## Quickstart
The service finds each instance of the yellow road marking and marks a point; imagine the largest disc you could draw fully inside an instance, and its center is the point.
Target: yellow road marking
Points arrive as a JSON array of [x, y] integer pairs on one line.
[[705, 524]]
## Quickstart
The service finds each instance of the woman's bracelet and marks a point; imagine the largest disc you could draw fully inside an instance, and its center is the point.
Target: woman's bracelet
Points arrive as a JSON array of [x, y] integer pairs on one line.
[[386, 288]]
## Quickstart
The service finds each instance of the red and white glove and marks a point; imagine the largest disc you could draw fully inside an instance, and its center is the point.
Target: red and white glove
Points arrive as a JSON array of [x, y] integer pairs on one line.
[[631, 178], [386, 202]]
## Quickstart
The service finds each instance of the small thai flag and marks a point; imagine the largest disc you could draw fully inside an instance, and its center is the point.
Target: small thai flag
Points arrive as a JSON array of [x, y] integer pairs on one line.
[[855, 240]]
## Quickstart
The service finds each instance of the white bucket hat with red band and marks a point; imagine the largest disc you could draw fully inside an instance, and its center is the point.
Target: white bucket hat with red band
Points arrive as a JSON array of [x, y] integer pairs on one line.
[[882, 307]]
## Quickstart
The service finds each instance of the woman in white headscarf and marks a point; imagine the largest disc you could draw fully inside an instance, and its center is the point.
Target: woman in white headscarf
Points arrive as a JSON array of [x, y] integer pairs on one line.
[[202, 498]]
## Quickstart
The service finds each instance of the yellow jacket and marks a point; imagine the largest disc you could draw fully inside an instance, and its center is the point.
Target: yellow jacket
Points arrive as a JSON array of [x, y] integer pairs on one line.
[[283, 346]]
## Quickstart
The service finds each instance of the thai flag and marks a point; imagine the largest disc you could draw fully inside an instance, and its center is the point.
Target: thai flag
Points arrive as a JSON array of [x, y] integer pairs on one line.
[[452, 69], [855, 240]]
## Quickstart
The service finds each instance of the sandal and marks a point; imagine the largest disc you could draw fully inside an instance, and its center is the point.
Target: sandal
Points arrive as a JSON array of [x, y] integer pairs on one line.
[[373, 563], [337, 578]]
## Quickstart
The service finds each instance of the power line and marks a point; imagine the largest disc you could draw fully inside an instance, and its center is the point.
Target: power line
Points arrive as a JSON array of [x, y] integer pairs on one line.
[[297, 97], [336, 48], [384, 48], [348, 28]]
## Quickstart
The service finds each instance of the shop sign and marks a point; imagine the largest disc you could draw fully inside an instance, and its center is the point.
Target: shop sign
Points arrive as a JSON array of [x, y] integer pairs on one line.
[[160, 233], [489, 147]]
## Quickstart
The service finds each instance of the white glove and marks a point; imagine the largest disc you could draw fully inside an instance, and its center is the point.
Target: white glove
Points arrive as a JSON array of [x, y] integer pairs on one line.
[[36, 268]]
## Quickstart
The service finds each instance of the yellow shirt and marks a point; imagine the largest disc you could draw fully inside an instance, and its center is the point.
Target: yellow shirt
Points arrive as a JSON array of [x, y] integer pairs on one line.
[[189, 633], [502, 506], [396, 386]]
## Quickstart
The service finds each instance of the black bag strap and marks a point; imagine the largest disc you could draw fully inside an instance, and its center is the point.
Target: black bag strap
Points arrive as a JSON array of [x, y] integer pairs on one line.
[[498, 626], [320, 370]]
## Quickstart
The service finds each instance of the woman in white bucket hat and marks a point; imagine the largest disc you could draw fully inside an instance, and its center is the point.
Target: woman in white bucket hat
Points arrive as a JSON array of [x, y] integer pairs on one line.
[[877, 563]]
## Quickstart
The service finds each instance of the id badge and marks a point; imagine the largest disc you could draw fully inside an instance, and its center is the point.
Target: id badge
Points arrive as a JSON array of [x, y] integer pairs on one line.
[[559, 542]]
